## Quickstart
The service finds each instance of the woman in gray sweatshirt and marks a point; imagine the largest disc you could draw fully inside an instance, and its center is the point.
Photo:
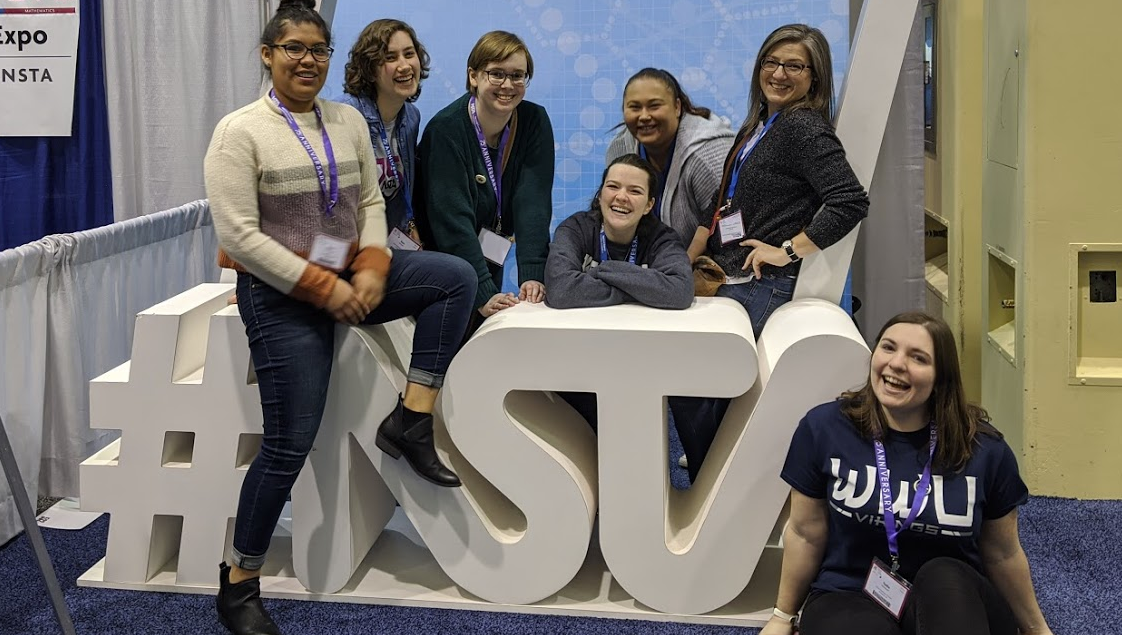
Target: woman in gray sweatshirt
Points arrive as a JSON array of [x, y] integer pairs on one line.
[[619, 252]]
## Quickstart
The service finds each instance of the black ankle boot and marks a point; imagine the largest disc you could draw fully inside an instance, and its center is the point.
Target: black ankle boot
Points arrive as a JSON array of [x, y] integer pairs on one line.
[[416, 444], [239, 606]]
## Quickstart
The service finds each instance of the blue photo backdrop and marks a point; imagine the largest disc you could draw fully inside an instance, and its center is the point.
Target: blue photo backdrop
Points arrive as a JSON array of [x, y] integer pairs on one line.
[[585, 50]]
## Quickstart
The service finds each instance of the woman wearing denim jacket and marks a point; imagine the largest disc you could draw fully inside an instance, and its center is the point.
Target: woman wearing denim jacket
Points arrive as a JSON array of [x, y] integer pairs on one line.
[[382, 80]]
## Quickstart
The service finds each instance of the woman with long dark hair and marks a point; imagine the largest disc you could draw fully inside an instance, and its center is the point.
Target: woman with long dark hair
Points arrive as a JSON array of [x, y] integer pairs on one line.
[[904, 505]]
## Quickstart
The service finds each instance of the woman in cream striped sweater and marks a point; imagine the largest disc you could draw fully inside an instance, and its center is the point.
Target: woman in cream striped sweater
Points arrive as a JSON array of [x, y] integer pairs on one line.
[[293, 188]]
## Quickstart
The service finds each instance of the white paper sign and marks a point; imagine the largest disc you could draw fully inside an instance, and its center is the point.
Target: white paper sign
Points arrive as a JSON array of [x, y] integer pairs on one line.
[[38, 55]]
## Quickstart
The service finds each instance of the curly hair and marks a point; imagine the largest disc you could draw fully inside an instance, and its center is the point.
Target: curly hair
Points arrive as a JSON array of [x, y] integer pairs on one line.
[[369, 53]]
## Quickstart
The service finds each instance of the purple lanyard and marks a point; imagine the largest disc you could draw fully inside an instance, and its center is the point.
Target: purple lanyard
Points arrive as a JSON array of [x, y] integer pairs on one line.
[[399, 177], [333, 171], [886, 497], [496, 183], [604, 248], [745, 152]]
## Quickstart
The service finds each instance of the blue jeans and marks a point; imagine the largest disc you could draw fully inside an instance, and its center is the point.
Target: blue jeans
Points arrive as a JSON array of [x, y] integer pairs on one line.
[[292, 344], [697, 418], [760, 297]]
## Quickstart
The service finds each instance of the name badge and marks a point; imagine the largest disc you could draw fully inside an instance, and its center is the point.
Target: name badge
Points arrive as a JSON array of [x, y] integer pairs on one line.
[[731, 228], [887, 589], [329, 251], [400, 240], [495, 246]]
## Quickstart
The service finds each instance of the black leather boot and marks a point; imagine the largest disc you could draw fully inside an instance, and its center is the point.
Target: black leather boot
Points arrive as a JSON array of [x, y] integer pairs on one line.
[[239, 606], [416, 443]]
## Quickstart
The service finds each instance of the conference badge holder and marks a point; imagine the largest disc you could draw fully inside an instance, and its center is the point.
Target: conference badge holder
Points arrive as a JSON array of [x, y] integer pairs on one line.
[[731, 228], [887, 588], [329, 251], [402, 241], [495, 246]]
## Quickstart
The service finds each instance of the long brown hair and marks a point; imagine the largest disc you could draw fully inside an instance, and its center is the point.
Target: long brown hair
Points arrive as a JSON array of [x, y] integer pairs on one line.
[[819, 98], [369, 53], [957, 422]]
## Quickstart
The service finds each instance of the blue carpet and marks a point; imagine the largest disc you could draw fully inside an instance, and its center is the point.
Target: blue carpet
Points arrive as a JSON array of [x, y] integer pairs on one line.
[[1072, 547]]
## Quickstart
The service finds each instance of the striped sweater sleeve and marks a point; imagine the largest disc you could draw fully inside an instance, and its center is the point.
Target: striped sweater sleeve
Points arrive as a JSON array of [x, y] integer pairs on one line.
[[372, 234]]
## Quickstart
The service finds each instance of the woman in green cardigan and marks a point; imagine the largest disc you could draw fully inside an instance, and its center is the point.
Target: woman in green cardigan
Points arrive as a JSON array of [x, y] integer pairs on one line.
[[485, 175]]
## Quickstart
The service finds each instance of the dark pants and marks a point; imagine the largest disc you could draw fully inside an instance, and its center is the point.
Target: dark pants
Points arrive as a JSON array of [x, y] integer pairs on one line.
[[948, 598], [695, 419], [292, 344]]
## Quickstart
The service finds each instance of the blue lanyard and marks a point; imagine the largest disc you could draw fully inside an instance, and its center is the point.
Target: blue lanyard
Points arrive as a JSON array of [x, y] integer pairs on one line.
[[496, 181], [399, 177], [745, 152], [886, 497], [604, 247], [662, 175], [332, 193]]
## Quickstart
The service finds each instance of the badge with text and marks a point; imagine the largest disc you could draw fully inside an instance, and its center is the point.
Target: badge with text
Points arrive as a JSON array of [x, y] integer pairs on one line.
[[400, 240], [886, 588], [731, 228], [329, 251], [495, 246]]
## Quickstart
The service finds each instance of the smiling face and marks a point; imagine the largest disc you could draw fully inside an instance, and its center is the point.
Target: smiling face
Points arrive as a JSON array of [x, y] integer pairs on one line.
[[499, 101], [625, 198], [399, 76], [902, 372], [651, 112], [779, 87], [296, 82]]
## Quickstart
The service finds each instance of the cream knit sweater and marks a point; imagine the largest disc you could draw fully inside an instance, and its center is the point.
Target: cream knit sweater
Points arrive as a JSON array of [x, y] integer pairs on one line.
[[267, 204]]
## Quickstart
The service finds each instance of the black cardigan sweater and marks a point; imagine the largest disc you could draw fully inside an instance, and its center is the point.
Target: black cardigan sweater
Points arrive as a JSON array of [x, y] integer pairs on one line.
[[796, 168]]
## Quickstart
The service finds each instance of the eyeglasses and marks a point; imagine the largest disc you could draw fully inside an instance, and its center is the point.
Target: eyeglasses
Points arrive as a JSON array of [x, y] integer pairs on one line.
[[497, 77], [794, 69], [297, 51]]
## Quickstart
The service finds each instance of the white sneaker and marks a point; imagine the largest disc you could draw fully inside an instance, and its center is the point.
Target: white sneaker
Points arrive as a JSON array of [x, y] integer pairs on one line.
[[682, 463]]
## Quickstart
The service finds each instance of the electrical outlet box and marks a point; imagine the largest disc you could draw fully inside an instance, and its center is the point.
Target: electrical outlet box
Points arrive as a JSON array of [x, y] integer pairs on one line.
[[1095, 313]]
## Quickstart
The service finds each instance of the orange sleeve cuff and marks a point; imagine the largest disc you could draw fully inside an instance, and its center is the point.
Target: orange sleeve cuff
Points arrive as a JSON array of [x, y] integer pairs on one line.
[[374, 258], [315, 285]]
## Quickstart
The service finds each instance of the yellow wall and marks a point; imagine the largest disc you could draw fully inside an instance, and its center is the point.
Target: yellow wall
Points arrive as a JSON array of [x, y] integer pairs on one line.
[[1073, 176], [1029, 164], [953, 178]]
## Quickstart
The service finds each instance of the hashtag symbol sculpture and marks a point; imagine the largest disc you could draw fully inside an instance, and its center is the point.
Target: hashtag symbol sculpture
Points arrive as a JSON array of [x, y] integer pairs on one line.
[[186, 428]]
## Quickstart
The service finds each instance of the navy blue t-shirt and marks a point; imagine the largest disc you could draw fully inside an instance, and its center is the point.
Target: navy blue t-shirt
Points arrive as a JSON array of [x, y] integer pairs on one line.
[[829, 459]]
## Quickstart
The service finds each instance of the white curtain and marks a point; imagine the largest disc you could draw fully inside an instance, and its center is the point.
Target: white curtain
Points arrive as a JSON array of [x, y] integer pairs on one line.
[[24, 273], [172, 70], [102, 279], [888, 261]]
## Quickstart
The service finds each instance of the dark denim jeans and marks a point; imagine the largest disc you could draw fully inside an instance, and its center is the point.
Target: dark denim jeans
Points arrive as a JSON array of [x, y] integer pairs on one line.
[[760, 297], [697, 418], [292, 344]]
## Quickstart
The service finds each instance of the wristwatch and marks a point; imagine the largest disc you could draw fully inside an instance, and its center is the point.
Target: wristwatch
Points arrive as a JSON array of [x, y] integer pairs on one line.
[[790, 249]]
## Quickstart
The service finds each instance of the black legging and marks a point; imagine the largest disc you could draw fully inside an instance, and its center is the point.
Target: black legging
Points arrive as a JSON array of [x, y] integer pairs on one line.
[[948, 598]]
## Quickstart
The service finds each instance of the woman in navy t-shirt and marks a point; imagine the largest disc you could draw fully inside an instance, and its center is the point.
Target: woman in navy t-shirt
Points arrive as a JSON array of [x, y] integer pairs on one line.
[[907, 439]]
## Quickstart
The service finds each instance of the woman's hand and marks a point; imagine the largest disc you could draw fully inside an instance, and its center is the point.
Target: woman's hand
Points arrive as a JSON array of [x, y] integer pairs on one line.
[[532, 291], [763, 253], [497, 303], [370, 288], [345, 305], [777, 626]]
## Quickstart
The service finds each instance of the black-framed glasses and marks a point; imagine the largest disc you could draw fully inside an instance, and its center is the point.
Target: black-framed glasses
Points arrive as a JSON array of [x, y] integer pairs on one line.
[[794, 69], [297, 51], [497, 76]]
